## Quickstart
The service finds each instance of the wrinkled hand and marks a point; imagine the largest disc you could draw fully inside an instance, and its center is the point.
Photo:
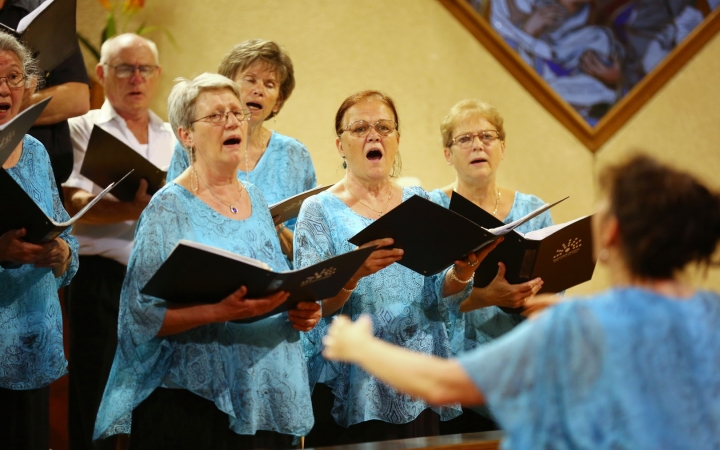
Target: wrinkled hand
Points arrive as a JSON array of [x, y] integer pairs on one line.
[[465, 268], [57, 255], [501, 293], [379, 259], [235, 306], [345, 338], [591, 64], [14, 249], [305, 315], [537, 304], [545, 19]]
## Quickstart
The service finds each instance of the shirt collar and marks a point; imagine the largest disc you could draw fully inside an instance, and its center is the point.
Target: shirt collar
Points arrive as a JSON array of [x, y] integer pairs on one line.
[[108, 113]]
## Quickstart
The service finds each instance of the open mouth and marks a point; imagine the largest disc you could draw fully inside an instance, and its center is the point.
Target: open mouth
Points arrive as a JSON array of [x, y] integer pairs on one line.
[[374, 155], [252, 106], [4, 107], [232, 141], [478, 161]]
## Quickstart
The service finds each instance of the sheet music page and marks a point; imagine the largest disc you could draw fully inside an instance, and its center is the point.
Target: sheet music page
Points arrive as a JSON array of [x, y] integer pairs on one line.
[[27, 20], [542, 233]]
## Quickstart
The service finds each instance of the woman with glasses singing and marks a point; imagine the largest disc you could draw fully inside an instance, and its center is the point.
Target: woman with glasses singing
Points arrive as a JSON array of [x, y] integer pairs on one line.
[[31, 340], [186, 376], [279, 165], [473, 137], [351, 406]]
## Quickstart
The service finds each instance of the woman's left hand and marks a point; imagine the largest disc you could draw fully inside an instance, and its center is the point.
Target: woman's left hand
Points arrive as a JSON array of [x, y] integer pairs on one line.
[[345, 339], [465, 268], [57, 255], [305, 316]]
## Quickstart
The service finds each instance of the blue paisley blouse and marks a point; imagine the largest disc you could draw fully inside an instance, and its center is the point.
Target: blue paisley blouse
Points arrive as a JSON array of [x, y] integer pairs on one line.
[[623, 369], [31, 340], [284, 170], [255, 373], [475, 328], [407, 309]]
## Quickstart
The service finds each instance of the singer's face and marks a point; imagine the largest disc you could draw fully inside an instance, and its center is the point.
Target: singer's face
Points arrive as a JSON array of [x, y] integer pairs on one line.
[[10, 98], [478, 160], [130, 95]]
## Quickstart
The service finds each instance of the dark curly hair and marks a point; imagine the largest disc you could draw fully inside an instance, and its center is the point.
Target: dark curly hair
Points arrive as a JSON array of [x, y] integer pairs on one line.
[[666, 218]]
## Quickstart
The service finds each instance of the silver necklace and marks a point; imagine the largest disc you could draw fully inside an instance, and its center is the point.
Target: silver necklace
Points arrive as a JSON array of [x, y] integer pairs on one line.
[[371, 209], [232, 207]]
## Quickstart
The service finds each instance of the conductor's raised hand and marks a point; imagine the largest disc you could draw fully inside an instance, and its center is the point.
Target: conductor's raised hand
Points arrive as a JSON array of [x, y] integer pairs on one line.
[[235, 306], [345, 339], [14, 249], [382, 257], [305, 315]]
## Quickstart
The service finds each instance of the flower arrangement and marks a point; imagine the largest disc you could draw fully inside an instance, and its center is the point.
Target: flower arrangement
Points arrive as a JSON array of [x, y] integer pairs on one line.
[[119, 18]]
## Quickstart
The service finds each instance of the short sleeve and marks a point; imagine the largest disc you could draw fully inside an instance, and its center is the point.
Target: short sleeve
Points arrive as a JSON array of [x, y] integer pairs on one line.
[[313, 240]]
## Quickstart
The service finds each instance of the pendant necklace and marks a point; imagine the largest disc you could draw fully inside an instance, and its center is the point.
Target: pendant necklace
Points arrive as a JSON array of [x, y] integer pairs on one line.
[[232, 207], [371, 209], [497, 201]]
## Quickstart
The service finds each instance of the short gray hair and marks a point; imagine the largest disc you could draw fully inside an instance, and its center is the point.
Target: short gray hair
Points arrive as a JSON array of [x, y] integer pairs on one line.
[[468, 108], [183, 98], [29, 64], [123, 39]]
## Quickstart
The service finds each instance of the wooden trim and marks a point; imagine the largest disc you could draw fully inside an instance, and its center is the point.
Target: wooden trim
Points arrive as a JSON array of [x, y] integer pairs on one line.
[[592, 137]]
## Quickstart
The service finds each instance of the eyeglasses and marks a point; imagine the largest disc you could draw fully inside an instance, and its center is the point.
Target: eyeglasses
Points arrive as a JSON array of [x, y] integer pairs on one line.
[[361, 128], [128, 70], [222, 117], [466, 140], [14, 80]]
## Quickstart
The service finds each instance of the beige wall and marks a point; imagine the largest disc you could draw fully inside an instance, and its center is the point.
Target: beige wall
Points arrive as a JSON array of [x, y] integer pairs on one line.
[[419, 54]]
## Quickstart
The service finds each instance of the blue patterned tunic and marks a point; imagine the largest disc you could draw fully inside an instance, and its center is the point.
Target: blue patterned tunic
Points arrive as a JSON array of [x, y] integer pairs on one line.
[[406, 308], [255, 373], [284, 170], [624, 369], [485, 324], [31, 342]]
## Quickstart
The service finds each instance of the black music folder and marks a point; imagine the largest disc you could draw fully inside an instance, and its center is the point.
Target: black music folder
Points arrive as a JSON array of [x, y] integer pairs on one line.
[[49, 32], [13, 131], [560, 254], [290, 207], [19, 210], [199, 273], [432, 237], [107, 158]]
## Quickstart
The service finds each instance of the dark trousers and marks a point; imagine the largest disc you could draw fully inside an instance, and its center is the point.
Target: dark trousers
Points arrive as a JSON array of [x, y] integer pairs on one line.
[[327, 432], [177, 419], [93, 302], [25, 419]]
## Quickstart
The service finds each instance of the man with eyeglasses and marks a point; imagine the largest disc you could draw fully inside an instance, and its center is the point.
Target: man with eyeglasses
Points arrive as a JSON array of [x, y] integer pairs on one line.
[[129, 73]]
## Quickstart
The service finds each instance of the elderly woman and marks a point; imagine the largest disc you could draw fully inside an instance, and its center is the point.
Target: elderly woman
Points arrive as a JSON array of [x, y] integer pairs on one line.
[[473, 137], [31, 343], [351, 406], [278, 165], [186, 375], [634, 367]]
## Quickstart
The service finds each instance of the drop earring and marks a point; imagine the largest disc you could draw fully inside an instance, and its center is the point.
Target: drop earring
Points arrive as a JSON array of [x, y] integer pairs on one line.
[[344, 163], [603, 255]]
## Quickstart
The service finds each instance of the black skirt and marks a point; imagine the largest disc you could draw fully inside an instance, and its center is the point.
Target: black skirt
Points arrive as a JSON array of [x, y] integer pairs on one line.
[[25, 419]]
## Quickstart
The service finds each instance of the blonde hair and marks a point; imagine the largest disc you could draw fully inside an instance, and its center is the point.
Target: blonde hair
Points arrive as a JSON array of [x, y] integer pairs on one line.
[[465, 109]]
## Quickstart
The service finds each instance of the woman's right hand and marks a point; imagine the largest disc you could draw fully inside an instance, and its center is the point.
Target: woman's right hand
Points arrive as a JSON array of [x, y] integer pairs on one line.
[[235, 306], [13, 249], [501, 293], [378, 259]]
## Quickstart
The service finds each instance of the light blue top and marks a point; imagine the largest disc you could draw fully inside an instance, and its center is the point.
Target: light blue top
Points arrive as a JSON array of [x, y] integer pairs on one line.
[[625, 369], [31, 340], [255, 373], [284, 170], [407, 309], [485, 324]]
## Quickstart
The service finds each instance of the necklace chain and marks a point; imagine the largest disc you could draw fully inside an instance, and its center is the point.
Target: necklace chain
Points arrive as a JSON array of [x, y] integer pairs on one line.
[[497, 201], [232, 207], [387, 203]]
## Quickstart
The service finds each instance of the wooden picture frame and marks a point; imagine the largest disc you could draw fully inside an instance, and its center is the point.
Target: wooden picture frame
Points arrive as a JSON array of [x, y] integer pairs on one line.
[[592, 137]]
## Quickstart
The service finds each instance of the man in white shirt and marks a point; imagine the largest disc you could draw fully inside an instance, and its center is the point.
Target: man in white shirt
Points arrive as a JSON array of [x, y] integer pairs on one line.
[[129, 72]]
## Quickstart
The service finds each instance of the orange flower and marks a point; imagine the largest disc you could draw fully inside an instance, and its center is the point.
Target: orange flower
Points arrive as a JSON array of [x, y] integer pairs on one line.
[[105, 3], [133, 5]]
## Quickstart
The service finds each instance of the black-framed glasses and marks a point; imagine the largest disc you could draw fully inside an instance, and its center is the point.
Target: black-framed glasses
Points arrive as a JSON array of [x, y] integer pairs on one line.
[[222, 117], [127, 70], [360, 128], [466, 140], [14, 80]]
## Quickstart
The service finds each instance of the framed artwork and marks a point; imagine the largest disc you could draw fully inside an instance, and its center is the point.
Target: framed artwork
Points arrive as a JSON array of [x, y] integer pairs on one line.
[[591, 63]]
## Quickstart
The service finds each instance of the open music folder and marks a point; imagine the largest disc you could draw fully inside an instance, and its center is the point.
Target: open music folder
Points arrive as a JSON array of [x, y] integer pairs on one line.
[[199, 273], [49, 32], [433, 237], [290, 207], [107, 158], [560, 254]]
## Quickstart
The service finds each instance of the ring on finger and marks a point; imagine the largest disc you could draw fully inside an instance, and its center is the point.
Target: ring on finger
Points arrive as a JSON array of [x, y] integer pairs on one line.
[[473, 264]]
